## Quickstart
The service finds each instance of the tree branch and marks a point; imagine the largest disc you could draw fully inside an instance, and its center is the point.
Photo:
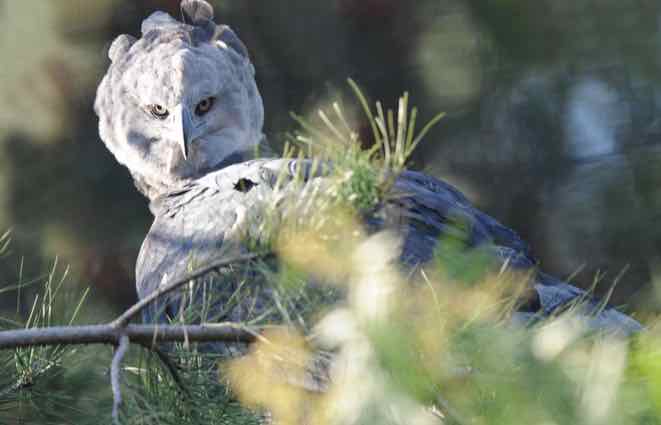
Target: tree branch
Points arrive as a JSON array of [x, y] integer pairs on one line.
[[145, 335], [120, 333]]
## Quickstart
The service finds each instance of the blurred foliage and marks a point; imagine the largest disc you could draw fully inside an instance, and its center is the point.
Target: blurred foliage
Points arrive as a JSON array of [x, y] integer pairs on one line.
[[397, 352], [436, 350], [436, 344]]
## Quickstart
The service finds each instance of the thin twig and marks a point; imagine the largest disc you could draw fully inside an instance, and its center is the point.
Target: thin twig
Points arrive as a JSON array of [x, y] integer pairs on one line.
[[115, 376], [143, 303]]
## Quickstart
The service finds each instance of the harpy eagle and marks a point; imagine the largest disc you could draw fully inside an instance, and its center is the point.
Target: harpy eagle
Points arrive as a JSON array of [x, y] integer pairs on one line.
[[179, 107]]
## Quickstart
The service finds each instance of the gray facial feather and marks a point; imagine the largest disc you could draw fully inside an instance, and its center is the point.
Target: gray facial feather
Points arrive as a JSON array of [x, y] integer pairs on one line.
[[171, 67]]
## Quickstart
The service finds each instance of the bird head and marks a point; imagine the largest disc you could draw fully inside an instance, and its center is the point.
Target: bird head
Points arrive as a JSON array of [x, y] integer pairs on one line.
[[180, 101]]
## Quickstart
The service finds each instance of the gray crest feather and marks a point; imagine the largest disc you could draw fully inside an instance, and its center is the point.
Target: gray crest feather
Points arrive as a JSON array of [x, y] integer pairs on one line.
[[157, 20], [229, 37], [196, 12], [120, 46]]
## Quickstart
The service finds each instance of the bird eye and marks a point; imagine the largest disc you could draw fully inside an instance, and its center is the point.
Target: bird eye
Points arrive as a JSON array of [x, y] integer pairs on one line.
[[158, 111], [204, 106]]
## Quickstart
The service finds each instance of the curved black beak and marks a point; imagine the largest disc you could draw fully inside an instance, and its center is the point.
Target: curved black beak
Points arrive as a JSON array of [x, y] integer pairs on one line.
[[184, 125]]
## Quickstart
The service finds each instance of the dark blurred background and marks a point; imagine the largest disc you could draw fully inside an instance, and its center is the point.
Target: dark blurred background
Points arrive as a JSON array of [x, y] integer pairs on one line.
[[553, 125]]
